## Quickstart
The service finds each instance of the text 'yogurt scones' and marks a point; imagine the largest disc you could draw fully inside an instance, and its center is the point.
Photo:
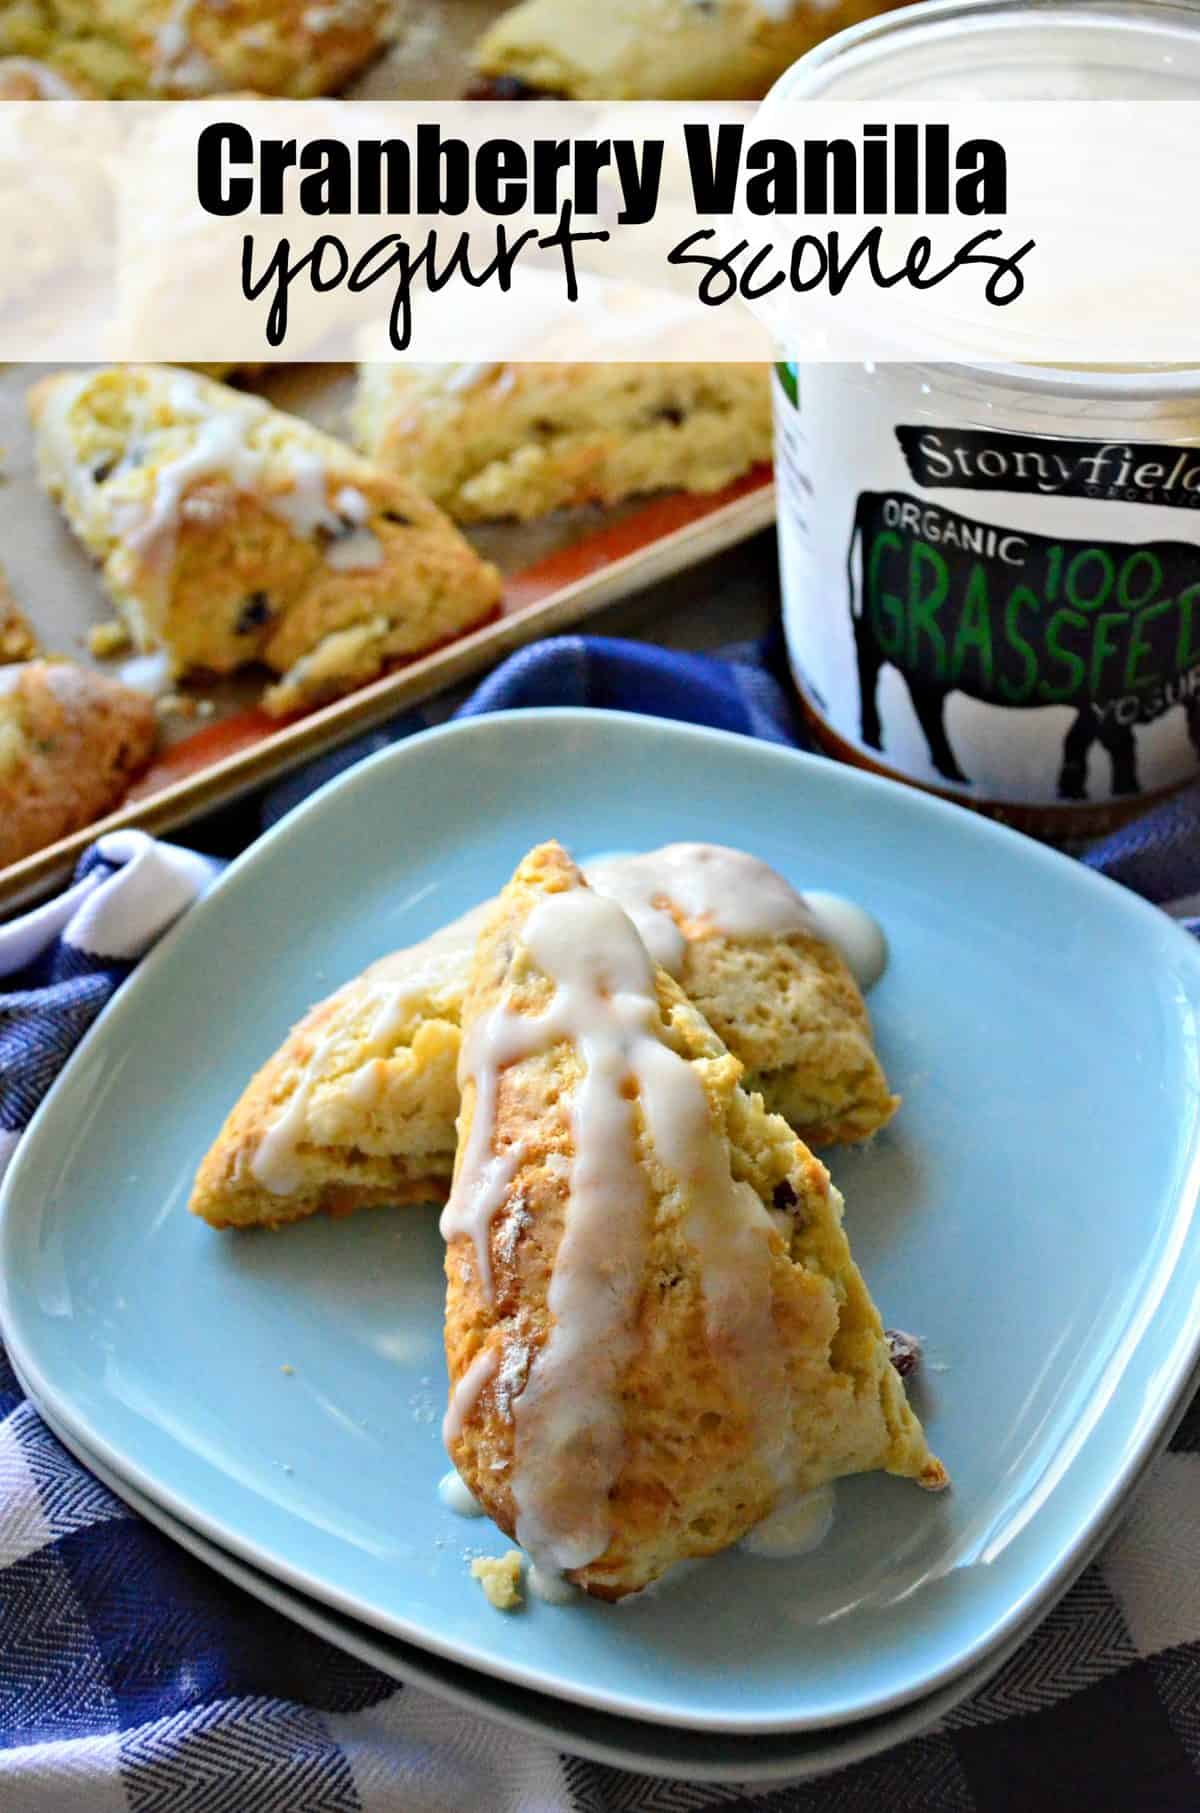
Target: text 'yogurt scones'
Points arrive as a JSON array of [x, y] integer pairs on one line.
[[357, 1107], [71, 742], [518, 440], [229, 532], [655, 50], [655, 1332], [173, 49]]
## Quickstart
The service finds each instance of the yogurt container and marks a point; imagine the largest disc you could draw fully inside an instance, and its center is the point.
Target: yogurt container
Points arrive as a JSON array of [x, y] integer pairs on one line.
[[991, 574]]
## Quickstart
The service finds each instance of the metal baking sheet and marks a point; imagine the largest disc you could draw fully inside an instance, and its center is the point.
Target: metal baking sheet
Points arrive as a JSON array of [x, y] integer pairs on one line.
[[216, 744]]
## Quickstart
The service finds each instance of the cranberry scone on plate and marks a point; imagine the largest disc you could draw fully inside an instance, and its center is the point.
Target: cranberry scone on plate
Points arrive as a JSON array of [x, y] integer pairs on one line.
[[174, 49], [228, 532], [518, 440], [655, 1333], [357, 1107], [654, 50]]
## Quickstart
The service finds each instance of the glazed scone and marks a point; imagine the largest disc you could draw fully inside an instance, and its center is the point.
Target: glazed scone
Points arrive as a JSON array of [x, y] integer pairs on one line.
[[752, 957], [313, 1131], [229, 532], [173, 49], [357, 1108], [655, 1332], [489, 441], [71, 742], [655, 50]]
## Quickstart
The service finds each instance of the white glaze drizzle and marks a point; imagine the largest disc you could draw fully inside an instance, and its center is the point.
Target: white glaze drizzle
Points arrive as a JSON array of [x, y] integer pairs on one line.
[[728, 891], [275, 1163], [457, 1495], [466, 1393], [221, 447], [798, 1525], [852, 931], [546, 1583], [437, 965], [734, 895], [47, 82], [352, 553], [569, 1432], [465, 377]]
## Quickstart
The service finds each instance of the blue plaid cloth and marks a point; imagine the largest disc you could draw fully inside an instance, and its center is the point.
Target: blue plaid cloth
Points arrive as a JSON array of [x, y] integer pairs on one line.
[[133, 1679]]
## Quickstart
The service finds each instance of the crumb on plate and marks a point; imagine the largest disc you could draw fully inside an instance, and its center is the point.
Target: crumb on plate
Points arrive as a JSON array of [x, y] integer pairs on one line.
[[500, 1578]]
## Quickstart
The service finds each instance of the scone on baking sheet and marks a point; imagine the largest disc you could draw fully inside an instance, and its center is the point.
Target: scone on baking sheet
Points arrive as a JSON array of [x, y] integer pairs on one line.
[[754, 960], [518, 440], [655, 1331], [357, 1108], [229, 532], [165, 49], [358, 1105], [71, 742], [657, 50]]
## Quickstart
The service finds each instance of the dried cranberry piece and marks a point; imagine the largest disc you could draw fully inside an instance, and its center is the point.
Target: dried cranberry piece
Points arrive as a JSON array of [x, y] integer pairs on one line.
[[254, 613]]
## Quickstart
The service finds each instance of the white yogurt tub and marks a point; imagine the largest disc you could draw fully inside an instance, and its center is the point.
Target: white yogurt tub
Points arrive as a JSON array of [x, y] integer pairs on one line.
[[991, 574]]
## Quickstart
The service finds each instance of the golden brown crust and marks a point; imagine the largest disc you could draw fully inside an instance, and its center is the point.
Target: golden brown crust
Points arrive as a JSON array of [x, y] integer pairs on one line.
[[660, 50], [692, 1480], [492, 441], [791, 1010], [71, 742], [174, 49], [378, 1121]]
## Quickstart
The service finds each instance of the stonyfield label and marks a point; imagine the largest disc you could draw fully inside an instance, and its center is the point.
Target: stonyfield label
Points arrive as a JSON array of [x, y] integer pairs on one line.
[[1014, 617], [977, 460]]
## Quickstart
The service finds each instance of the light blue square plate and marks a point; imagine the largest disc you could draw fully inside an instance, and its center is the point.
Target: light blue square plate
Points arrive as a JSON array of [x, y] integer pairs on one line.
[[1031, 1215]]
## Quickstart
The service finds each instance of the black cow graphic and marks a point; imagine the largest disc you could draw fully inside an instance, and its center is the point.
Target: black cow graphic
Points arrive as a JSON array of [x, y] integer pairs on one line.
[[1097, 718]]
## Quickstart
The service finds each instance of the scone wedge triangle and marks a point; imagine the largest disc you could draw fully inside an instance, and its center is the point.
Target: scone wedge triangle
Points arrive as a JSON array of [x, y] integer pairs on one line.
[[655, 1331], [357, 1108], [230, 533]]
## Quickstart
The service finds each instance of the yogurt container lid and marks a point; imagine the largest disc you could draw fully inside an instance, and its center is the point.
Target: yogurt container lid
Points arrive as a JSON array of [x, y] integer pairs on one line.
[[1007, 50], [1018, 50]]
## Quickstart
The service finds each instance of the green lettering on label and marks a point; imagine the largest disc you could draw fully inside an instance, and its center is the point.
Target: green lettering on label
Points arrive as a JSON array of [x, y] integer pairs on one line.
[[1021, 598], [886, 608], [1150, 567], [1138, 646], [1187, 643], [974, 633], [1103, 647], [1064, 657], [1090, 577], [924, 605]]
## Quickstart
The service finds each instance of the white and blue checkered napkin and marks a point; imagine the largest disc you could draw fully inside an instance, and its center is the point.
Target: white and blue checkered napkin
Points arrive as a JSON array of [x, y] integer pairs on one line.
[[134, 1680]]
